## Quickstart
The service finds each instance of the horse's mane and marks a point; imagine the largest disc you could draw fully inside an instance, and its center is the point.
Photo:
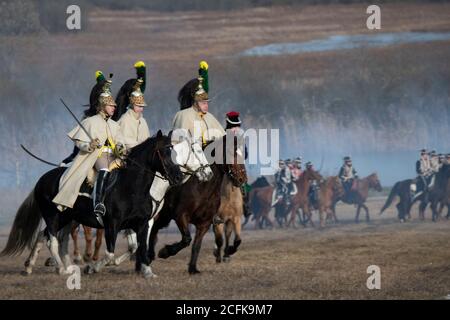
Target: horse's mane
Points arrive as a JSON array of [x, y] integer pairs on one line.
[[141, 150]]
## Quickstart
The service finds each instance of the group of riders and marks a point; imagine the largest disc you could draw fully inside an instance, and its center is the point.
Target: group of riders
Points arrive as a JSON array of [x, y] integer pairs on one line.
[[289, 171], [111, 127], [427, 167]]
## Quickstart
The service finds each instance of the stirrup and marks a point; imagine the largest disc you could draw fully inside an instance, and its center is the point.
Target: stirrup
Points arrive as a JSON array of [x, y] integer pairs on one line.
[[100, 209]]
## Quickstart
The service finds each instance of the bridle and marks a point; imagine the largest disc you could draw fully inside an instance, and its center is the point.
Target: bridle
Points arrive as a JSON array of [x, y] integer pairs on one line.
[[188, 171]]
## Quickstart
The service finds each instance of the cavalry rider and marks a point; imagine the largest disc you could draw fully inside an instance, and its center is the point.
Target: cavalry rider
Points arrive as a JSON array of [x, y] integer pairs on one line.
[[347, 175], [133, 125], [296, 170], [196, 119], [100, 143], [423, 169], [283, 183], [313, 194], [233, 123]]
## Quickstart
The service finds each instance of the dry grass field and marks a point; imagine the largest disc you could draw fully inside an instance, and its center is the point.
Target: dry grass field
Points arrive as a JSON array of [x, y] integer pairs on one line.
[[271, 264]]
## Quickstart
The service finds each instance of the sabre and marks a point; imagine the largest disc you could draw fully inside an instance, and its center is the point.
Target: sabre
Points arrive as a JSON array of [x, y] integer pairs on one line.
[[76, 119], [40, 159]]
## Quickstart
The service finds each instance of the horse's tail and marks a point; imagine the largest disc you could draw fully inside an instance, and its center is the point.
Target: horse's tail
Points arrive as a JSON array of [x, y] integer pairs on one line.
[[25, 227], [394, 192]]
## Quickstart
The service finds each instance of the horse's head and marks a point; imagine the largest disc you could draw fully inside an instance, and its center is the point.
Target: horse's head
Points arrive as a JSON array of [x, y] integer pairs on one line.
[[162, 159], [311, 174], [191, 158], [374, 182]]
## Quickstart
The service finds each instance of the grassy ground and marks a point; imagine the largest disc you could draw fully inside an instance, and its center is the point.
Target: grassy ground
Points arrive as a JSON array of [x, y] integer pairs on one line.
[[272, 264]]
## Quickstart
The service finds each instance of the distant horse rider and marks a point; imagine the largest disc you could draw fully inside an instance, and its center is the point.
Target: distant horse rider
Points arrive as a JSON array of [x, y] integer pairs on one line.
[[347, 175], [313, 193]]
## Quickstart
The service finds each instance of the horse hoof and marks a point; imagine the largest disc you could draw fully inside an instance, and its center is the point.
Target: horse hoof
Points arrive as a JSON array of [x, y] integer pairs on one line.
[[147, 272], [78, 260], [226, 259], [62, 271], [50, 262], [163, 253], [193, 270], [87, 258], [25, 272], [88, 269]]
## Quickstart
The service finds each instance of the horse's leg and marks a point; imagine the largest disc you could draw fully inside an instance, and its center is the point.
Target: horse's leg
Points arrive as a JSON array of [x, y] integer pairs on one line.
[[88, 239], [293, 217], [110, 240], [196, 246], [228, 231], [172, 249], [53, 246], [308, 213], [218, 236], [434, 210], [64, 247], [98, 244], [143, 253], [76, 250], [358, 210], [422, 207], [132, 247], [367, 212], [235, 224], [31, 261]]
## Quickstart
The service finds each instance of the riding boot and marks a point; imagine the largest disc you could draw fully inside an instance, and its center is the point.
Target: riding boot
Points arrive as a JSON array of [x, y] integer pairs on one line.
[[100, 192]]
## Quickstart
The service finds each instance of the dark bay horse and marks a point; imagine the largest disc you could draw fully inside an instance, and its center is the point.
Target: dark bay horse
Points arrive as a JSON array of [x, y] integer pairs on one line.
[[359, 194], [402, 190], [127, 205], [260, 199], [196, 203]]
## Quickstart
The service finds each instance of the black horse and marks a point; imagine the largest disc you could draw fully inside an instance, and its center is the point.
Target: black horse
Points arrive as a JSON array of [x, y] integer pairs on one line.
[[437, 194], [127, 203], [195, 203]]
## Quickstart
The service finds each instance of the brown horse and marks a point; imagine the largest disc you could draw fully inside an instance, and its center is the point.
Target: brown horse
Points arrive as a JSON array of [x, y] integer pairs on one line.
[[359, 193], [231, 211], [195, 203], [329, 189], [301, 200]]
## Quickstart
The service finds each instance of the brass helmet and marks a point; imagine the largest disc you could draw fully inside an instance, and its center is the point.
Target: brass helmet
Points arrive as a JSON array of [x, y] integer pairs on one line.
[[201, 94], [136, 96], [105, 98]]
